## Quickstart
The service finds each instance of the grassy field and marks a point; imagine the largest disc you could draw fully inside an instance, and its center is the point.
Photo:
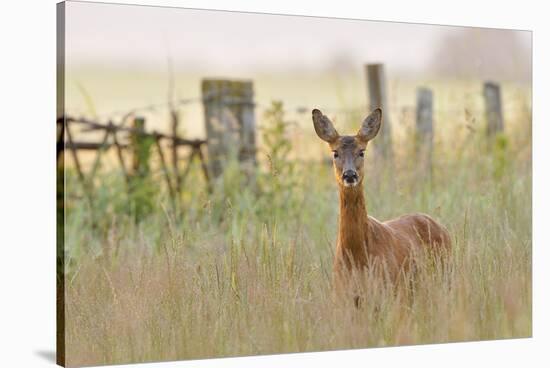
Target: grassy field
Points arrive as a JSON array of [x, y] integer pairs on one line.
[[247, 269]]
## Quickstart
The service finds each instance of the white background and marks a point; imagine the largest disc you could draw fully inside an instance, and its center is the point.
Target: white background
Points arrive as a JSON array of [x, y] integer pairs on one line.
[[27, 180]]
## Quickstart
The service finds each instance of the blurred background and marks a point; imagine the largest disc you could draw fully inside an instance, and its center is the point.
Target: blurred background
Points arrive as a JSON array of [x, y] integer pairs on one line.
[[122, 57]]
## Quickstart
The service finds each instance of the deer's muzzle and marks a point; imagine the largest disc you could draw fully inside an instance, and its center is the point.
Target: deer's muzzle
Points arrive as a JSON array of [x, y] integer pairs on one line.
[[350, 178]]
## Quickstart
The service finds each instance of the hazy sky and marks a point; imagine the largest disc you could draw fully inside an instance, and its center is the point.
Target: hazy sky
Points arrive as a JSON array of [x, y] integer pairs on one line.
[[123, 35]]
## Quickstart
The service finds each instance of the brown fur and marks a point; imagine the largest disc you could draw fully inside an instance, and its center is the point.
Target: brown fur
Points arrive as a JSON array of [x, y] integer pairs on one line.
[[363, 240]]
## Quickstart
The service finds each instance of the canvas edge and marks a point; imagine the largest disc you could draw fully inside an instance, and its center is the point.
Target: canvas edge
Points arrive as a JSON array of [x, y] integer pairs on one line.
[[60, 185]]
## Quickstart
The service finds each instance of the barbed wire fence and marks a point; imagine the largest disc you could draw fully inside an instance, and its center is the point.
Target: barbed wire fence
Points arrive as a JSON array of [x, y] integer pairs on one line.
[[229, 117]]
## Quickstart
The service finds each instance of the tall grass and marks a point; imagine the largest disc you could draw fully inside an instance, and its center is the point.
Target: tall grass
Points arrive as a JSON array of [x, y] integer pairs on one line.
[[247, 270]]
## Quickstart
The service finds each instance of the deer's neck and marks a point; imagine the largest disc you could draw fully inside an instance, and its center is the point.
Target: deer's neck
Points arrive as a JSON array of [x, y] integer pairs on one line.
[[353, 223]]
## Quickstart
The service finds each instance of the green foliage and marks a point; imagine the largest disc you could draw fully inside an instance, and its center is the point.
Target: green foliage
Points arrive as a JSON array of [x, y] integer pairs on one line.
[[500, 156], [142, 195], [279, 183]]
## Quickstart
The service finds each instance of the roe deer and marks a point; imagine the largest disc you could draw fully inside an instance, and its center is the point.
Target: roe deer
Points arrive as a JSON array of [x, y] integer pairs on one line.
[[363, 241]]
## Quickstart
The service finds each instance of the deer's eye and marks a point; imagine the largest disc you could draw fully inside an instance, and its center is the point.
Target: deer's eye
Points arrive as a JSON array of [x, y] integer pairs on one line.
[[335, 154], [362, 153]]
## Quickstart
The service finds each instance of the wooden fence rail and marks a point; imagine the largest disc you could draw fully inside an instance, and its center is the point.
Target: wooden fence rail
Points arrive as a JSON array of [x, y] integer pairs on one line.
[[137, 135]]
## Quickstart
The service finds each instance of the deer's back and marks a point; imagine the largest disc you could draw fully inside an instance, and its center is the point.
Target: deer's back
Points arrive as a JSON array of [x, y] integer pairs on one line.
[[396, 239], [420, 230]]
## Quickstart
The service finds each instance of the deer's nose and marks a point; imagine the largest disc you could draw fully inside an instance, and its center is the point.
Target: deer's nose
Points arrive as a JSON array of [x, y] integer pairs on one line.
[[349, 176]]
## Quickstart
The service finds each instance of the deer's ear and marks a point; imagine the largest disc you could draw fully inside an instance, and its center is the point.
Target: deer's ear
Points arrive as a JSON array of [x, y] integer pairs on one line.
[[370, 126], [323, 127]]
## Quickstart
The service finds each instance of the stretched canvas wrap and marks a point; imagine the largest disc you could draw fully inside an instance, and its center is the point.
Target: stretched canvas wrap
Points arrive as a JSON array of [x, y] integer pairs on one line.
[[236, 184]]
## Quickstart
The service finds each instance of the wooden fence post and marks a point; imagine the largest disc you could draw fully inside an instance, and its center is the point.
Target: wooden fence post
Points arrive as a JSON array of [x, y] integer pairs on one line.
[[175, 123], [230, 123], [141, 190], [493, 108], [141, 149], [424, 127], [376, 82]]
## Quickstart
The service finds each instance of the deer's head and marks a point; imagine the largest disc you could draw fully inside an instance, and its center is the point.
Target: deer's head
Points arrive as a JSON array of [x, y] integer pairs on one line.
[[348, 150]]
